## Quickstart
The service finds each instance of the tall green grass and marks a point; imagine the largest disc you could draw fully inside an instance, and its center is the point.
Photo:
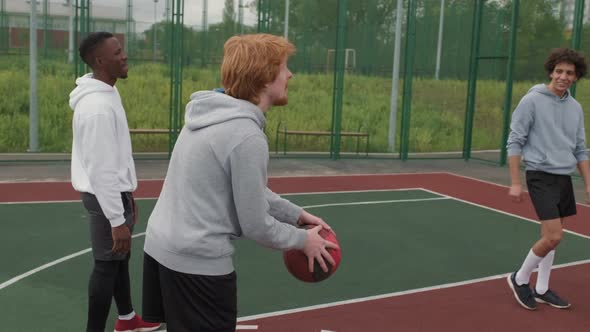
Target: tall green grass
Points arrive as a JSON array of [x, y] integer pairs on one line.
[[437, 118]]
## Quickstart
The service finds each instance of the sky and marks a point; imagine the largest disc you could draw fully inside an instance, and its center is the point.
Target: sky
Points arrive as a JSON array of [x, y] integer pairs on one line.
[[143, 10]]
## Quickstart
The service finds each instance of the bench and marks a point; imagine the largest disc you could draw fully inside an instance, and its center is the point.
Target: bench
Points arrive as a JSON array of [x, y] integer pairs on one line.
[[148, 131], [284, 132]]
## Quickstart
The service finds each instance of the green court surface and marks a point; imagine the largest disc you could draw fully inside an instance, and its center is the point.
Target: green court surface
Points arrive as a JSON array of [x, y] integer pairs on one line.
[[391, 241]]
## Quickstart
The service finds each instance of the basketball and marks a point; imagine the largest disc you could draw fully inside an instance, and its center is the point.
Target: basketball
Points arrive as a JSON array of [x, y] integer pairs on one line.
[[296, 261]]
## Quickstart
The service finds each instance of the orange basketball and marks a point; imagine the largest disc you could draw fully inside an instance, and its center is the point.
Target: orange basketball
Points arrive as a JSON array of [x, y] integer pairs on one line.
[[296, 261]]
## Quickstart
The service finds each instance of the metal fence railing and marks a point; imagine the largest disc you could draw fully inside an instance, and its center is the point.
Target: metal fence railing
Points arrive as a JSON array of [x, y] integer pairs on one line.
[[461, 68]]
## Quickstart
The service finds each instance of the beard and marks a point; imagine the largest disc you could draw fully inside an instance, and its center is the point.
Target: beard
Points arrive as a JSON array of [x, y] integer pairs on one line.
[[282, 101], [123, 73]]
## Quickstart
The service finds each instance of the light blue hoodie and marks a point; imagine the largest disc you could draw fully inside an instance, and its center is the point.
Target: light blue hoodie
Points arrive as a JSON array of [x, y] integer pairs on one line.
[[216, 190], [548, 131]]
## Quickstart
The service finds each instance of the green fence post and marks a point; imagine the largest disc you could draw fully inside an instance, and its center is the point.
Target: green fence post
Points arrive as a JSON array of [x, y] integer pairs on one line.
[[263, 16], [128, 27], [473, 62], [509, 79], [82, 28], [305, 50], [338, 81], [409, 54], [75, 37], [168, 32], [175, 119], [205, 34], [369, 32], [3, 27], [45, 25], [577, 32], [91, 25]]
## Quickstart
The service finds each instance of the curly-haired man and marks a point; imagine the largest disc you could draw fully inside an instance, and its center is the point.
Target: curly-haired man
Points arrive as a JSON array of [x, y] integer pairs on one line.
[[547, 133]]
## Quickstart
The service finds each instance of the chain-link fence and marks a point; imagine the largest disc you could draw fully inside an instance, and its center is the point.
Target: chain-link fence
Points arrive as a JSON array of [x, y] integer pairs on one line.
[[393, 78]]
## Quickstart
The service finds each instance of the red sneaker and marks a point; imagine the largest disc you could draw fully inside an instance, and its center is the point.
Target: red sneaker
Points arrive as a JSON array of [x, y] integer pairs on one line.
[[135, 324]]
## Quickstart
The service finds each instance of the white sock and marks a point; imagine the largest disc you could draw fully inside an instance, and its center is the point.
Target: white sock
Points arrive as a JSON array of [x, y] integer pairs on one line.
[[544, 273], [530, 263], [128, 316]]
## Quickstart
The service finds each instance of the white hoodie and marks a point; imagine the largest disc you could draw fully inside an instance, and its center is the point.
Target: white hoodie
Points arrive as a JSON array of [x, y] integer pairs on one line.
[[102, 162]]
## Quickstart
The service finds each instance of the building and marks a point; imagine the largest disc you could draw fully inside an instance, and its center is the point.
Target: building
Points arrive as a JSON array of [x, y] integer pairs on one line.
[[54, 22], [566, 9]]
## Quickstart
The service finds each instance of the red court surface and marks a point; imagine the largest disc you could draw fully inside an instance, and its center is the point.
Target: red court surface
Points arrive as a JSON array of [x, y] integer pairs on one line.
[[479, 306]]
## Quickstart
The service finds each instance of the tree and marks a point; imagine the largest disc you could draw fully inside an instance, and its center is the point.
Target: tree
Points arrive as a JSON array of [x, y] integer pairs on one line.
[[229, 17], [370, 31], [539, 30]]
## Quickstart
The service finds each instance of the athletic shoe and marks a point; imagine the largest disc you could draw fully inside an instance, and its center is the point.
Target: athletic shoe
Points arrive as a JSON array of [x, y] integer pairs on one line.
[[523, 293], [552, 299], [135, 324]]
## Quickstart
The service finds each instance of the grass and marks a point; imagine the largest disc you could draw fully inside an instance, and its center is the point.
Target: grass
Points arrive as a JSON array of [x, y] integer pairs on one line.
[[437, 118]]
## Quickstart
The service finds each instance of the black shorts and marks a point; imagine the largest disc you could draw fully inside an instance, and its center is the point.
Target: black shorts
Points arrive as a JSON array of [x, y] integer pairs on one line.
[[188, 302], [552, 194]]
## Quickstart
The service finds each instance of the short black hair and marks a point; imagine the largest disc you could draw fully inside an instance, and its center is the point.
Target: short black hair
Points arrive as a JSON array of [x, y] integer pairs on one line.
[[89, 45], [567, 55]]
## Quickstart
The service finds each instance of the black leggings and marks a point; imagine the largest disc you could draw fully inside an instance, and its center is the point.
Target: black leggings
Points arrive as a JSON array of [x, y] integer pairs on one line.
[[108, 279]]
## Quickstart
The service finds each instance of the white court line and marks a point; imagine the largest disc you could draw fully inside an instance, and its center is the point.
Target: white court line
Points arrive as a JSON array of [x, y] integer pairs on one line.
[[50, 264], [424, 289], [502, 212], [63, 259], [283, 194], [238, 327], [63, 201], [82, 252], [476, 179], [349, 191], [378, 202], [40, 202], [53, 181], [395, 294], [357, 175], [495, 184]]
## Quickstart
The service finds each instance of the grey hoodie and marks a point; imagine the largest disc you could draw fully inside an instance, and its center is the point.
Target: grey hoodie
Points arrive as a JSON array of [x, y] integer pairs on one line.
[[216, 190], [548, 131]]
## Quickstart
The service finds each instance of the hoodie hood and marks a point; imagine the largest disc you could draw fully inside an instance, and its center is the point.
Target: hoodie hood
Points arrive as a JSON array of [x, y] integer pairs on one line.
[[543, 89], [86, 85], [207, 108]]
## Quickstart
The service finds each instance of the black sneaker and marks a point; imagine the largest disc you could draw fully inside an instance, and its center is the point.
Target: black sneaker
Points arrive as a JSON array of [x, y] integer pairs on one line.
[[551, 299], [523, 294]]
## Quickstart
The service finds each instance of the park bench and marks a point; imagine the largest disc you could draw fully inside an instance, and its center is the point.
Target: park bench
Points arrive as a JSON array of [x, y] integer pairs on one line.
[[283, 131], [148, 131]]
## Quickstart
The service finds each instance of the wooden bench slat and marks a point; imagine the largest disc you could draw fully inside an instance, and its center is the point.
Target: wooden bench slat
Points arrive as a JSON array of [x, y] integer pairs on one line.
[[286, 132], [320, 133], [148, 131]]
